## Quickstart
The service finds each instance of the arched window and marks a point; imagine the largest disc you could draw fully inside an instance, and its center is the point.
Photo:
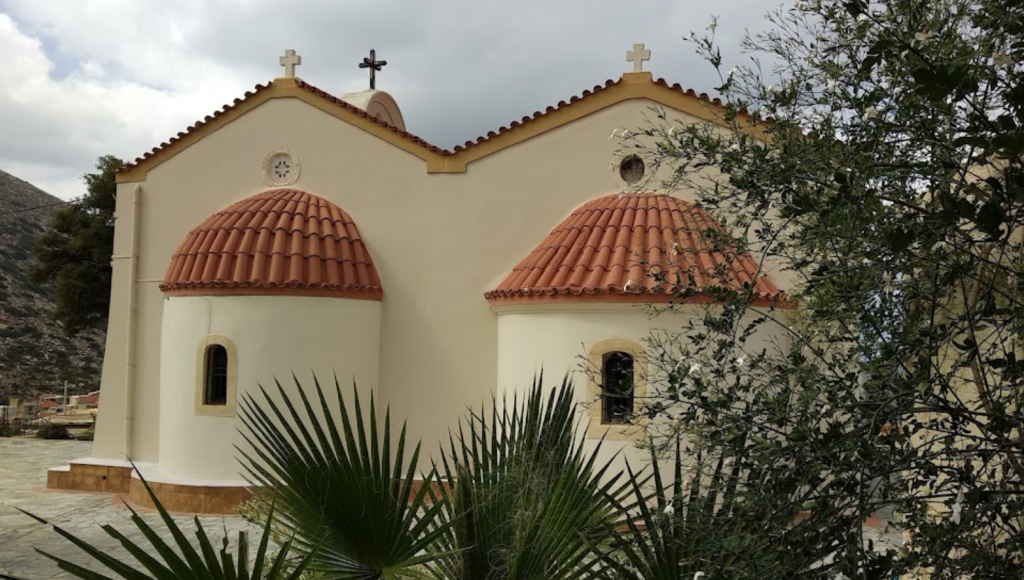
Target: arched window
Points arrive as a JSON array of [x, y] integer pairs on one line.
[[617, 388], [215, 389]]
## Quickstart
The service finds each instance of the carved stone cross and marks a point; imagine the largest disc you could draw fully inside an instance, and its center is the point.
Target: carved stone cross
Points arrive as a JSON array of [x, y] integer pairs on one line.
[[374, 65], [637, 56], [289, 61]]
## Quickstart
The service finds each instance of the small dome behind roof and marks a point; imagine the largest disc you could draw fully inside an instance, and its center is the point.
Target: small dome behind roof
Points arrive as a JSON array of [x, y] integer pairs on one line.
[[378, 104], [280, 242], [614, 249]]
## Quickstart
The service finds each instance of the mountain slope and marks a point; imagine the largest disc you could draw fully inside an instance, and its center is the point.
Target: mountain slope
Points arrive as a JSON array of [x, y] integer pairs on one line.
[[35, 355]]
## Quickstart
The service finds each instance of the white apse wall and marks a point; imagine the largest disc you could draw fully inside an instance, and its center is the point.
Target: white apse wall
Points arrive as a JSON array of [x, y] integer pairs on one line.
[[557, 339], [274, 336]]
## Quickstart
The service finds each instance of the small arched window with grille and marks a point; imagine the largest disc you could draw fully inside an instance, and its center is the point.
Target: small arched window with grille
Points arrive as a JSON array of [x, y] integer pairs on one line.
[[617, 388], [215, 391]]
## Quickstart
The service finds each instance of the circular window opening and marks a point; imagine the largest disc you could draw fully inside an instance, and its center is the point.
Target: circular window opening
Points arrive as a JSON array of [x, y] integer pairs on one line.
[[631, 170], [280, 168]]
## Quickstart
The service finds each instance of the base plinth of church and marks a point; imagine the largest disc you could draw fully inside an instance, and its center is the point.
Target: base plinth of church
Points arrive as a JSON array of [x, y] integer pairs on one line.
[[176, 494]]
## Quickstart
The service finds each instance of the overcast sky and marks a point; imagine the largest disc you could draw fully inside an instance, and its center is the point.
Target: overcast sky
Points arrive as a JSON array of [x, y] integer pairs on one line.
[[83, 78]]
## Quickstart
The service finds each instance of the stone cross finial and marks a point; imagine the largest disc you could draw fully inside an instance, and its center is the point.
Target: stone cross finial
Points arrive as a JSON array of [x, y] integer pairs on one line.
[[289, 61], [637, 56]]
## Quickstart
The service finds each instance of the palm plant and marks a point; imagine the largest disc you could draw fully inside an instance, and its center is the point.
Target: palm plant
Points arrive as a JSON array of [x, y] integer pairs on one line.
[[704, 527], [528, 502], [182, 560], [518, 497], [343, 490]]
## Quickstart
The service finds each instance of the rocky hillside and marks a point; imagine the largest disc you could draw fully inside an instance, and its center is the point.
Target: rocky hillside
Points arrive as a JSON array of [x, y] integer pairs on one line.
[[35, 355]]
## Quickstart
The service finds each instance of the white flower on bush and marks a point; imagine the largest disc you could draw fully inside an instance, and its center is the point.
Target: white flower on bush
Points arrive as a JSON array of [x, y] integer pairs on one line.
[[698, 575], [870, 114], [740, 360], [923, 36], [669, 510], [958, 507], [1001, 60], [831, 85], [615, 133]]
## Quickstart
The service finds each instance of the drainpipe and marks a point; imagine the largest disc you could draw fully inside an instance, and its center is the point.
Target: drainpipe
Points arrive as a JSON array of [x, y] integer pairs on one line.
[[129, 369]]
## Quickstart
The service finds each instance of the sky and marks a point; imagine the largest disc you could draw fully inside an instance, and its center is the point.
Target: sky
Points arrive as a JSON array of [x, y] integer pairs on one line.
[[84, 78]]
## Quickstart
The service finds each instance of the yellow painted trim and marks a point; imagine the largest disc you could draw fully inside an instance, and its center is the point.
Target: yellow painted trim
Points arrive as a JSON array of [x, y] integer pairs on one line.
[[632, 86], [617, 432], [227, 409]]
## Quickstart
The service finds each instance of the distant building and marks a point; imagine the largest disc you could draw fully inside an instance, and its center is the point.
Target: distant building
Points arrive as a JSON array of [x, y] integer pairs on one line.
[[84, 402]]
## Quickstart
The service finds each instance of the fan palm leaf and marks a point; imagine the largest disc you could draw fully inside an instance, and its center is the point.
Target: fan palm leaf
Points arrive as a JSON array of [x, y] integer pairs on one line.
[[180, 559], [344, 487], [528, 501], [680, 532]]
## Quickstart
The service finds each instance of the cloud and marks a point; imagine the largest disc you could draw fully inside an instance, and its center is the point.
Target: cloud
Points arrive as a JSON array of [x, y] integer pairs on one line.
[[84, 79]]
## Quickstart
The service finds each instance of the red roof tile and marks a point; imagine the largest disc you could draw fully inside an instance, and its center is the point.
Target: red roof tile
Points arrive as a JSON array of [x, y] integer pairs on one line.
[[282, 241], [400, 132], [575, 99], [261, 88], [715, 102], [92, 398], [611, 249]]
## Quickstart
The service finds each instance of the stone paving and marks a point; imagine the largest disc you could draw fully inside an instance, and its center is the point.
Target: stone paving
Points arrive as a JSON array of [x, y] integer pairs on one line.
[[23, 465]]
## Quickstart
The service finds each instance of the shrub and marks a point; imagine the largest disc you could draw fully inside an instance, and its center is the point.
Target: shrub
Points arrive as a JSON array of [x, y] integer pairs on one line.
[[86, 435], [53, 431], [10, 428]]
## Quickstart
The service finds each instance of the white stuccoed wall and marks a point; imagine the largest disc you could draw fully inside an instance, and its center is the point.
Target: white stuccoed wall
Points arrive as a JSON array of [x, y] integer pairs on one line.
[[439, 241], [274, 336], [556, 338]]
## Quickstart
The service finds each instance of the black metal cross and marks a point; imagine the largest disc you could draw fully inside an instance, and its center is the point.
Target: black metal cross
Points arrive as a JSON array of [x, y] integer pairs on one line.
[[374, 65]]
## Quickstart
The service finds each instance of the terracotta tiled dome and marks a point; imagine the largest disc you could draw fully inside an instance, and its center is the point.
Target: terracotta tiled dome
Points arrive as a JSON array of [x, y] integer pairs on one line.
[[609, 250], [282, 241]]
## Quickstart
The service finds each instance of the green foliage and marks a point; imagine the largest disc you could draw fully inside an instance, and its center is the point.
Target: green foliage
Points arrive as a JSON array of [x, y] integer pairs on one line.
[[10, 428], [179, 560], [890, 188], [53, 431], [701, 523], [517, 497], [74, 253], [528, 501], [374, 525]]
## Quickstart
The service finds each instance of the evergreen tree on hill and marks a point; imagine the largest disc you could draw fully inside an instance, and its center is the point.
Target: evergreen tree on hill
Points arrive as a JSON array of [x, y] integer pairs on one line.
[[74, 252]]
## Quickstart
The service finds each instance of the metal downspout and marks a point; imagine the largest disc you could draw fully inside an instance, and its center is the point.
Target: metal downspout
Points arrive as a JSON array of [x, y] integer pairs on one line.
[[129, 370]]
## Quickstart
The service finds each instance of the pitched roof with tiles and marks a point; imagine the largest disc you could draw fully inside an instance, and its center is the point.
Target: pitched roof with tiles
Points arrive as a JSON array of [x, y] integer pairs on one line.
[[629, 86], [280, 242], [633, 248]]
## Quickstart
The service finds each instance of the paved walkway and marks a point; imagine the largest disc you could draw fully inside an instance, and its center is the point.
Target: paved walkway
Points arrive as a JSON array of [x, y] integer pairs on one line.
[[23, 465]]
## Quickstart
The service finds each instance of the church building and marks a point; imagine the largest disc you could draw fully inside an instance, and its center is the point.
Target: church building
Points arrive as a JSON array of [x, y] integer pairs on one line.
[[296, 232]]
